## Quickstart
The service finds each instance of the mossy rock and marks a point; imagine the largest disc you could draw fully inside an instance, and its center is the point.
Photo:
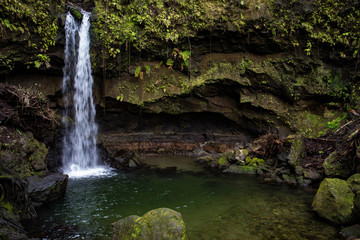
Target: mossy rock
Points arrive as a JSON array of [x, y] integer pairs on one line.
[[22, 153], [334, 167], [354, 182], [296, 151], [254, 162], [157, 224], [223, 161], [240, 169], [76, 13], [334, 201]]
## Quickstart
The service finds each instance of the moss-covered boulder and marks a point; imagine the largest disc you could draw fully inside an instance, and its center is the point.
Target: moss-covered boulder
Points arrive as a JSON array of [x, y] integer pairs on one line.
[[223, 161], [334, 201], [238, 169], [354, 182], [157, 224], [334, 167], [21, 152], [296, 151]]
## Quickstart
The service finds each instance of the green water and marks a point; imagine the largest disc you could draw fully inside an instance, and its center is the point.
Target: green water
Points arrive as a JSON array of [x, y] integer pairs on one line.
[[214, 206]]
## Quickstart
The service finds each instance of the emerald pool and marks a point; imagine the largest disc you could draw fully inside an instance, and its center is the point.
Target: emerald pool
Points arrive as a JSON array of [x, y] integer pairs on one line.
[[213, 205]]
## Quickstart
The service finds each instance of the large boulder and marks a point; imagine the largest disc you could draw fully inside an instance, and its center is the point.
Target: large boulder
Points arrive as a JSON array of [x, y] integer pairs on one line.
[[47, 188], [334, 201], [334, 167], [157, 224], [21, 152]]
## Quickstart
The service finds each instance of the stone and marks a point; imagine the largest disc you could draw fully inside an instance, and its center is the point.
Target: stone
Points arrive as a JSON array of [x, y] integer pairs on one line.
[[311, 174], [299, 170], [354, 182], [335, 168], [240, 169], [240, 155], [351, 231], [334, 201], [205, 159], [296, 151], [22, 153], [303, 182], [357, 203], [47, 188], [132, 164], [223, 161], [157, 224]]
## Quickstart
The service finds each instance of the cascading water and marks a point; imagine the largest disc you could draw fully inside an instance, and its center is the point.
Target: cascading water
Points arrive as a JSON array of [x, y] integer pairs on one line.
[[80, 156]]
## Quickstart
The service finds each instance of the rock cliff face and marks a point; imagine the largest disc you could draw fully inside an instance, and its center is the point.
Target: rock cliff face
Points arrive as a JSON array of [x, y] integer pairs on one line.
[[178, 72]]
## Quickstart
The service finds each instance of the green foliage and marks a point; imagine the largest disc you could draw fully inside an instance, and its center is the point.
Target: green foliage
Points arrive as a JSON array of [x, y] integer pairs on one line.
[[332, 22], [142, 23], [334, 124], [137, 71], [29, 20]]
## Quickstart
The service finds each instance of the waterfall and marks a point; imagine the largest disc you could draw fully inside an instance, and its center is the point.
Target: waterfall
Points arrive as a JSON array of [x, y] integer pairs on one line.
[[80, 156]]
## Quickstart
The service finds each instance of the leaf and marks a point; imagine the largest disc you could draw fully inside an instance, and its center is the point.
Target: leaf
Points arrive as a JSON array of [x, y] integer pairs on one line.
[[37, 64], [148, 69], [137, 71], [141, 75], [170, 62]]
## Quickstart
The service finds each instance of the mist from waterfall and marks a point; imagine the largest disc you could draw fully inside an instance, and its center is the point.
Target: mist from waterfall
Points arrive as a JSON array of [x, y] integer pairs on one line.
[[80, 156]]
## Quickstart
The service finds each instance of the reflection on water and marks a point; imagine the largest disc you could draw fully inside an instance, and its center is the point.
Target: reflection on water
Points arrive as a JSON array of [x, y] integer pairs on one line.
[[213, 206]]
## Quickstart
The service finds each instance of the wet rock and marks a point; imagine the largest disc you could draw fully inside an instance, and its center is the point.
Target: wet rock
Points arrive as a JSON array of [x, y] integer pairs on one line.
[[240, 155], [133, 163], [334, 167], [299, 170], [296, 151], [311, 174], [161, 223], [237, 169], [352, 232], [334, 201], [205, 159], [302, 181], [354, 182], [47, 188], [223, 162], [76, 13]]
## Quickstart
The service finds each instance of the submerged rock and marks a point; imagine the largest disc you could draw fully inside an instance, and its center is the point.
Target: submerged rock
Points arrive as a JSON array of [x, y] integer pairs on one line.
[[48, 188], [157, 224], [334, 201]]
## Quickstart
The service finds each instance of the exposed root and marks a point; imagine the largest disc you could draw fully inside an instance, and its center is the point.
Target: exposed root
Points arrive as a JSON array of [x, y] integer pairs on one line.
[[26, 109]]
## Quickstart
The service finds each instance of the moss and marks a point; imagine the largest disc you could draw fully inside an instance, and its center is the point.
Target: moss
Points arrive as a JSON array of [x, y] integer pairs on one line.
[[254, 161], [297, 151], [334, 201], [76, 13], [334, 166], [354, 182], [223, 160]]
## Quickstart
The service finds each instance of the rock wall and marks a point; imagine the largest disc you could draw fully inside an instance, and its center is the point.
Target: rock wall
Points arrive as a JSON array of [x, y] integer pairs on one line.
[[243, 63]]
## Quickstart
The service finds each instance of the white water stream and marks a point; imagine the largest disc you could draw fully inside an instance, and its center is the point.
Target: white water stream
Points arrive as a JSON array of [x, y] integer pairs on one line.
[[80, 156]]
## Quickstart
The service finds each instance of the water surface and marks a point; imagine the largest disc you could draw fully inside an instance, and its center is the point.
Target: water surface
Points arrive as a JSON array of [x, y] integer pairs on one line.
[[214, 206]]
